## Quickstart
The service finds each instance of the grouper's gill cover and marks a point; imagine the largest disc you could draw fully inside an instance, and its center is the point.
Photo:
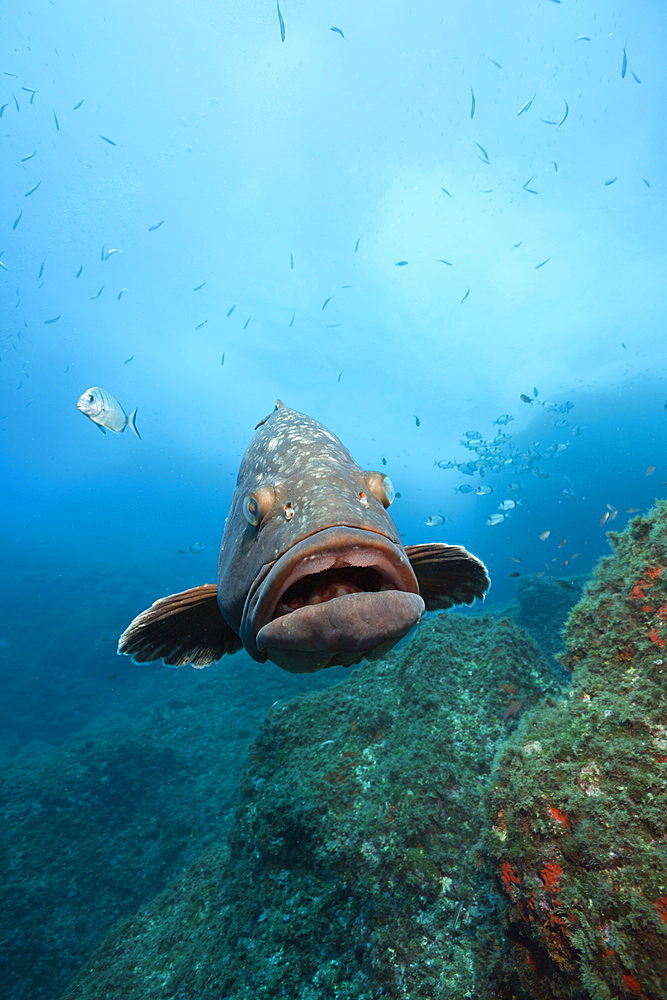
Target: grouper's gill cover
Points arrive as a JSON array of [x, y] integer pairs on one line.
[[312, 572]]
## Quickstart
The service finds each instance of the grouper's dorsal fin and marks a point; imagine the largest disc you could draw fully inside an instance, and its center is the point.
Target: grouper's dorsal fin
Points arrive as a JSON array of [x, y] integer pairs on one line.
[[179, 629], [279, 406], [447, 574]]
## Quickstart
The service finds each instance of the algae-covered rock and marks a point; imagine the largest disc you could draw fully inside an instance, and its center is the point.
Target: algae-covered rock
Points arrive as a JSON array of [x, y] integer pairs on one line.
[[352, 871], [543, 606], [88, 833], [578, 813], [91, 830]]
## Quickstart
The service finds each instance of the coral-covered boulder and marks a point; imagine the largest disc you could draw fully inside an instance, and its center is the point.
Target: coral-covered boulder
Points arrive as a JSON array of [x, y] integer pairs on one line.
[[353, 870], [578, 812]]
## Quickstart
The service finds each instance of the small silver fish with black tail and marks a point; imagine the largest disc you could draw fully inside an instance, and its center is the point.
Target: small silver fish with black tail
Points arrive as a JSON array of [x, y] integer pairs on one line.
[[105, 411], [312, 572]]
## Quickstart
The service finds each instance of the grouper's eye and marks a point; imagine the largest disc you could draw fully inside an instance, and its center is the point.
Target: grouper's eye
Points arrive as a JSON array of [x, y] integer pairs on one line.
[[257, 504], [251, 511], [381, 486]]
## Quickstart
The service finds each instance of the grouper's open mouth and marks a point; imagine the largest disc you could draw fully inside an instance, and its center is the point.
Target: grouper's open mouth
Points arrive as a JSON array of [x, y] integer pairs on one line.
[[335, 597]]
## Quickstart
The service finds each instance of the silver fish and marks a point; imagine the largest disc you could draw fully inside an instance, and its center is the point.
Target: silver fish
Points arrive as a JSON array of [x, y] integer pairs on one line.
[[312, 572], [524, 107], [105, 411]]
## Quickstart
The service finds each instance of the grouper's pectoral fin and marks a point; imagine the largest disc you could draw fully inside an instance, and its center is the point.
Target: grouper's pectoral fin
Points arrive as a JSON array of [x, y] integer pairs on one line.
[[447, 574], [179, 629]]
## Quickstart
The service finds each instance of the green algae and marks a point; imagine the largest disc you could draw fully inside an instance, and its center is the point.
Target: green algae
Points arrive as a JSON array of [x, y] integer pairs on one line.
[[578, 812], [448, 822], [93, 829], [542, 601], [353, 869]]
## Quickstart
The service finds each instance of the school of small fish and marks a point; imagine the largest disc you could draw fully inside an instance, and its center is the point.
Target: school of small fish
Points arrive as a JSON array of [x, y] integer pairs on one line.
[[493, 453], [547, 106], [497, 455]]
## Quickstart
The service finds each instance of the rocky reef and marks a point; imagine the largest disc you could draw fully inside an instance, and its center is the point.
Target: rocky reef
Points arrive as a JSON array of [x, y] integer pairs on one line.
[[578, 812], [98, 826], [542, 606], [448, 822], [352, 870]]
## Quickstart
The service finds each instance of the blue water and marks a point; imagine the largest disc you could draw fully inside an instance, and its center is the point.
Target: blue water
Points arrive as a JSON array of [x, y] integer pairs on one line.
[[291, 180]]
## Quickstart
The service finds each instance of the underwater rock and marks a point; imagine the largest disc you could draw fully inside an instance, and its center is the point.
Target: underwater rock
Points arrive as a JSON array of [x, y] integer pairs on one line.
[[88, 834], [544, 604], [93, 829], [578, 812], [352, 870]]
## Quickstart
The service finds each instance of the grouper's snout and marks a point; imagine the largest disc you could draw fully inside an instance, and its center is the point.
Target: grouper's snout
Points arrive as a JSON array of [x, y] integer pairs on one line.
[[334, 598]]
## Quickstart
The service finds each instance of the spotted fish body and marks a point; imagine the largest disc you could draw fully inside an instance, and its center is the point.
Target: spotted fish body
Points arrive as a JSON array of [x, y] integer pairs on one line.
[[312, 572]]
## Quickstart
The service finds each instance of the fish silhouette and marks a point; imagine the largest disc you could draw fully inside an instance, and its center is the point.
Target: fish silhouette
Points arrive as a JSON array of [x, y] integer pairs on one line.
[[312, 572]]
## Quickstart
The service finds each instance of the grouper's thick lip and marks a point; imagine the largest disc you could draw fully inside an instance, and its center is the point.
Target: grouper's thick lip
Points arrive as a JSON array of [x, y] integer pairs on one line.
[[331, 548]]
